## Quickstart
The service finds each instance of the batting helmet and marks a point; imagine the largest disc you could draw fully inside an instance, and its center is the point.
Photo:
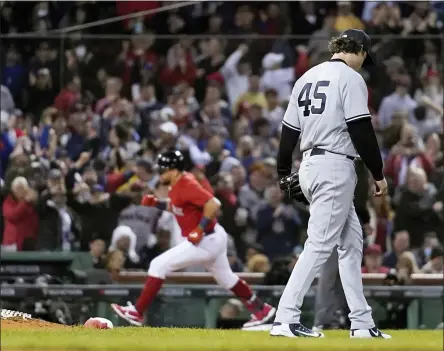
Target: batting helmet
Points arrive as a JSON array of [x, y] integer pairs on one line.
[[170, 160]]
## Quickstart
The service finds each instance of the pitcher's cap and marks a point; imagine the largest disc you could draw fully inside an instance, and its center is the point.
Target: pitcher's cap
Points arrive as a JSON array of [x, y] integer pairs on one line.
[[362, 38]]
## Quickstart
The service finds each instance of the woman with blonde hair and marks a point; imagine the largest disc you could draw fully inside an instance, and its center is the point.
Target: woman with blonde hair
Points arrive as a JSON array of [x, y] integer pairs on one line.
[[406, 266]]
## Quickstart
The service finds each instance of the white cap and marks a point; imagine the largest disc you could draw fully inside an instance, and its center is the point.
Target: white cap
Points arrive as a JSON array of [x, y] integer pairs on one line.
[[169, 128], [271, 59], [167, 113]]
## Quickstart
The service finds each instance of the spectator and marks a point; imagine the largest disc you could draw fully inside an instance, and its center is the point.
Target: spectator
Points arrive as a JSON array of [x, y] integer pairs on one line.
[[124, 240], [423, 254], [57, 228], [317, 48], [346, 18], [407, 152], [414, 211], [140, 220], [435, 265], [236, 74], [373, 260], [250, 194], [431, 97], [179, 67], [13, 78], [96, 257], [41, 92], [401, 243], [144, 176], [98, 210], [253, 96], [433, 150], [113, 88], [68, 96], [21, 220], [212, 63], [399, 100], [405, 267], [277, 225], [276, 77], [274, 112], [258, 264], [6, 100]]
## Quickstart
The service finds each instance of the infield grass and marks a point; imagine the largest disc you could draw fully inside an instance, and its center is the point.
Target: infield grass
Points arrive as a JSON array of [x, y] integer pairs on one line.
[[135, 339]]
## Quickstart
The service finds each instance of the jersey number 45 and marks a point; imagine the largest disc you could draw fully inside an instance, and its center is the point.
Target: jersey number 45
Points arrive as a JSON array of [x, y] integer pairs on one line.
[[305, 101]]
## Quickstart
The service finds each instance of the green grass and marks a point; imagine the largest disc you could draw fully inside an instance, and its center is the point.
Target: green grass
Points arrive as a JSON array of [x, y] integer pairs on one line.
[[132, 339]]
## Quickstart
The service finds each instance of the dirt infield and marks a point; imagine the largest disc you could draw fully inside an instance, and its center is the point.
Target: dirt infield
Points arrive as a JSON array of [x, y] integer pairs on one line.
[[21, 323]]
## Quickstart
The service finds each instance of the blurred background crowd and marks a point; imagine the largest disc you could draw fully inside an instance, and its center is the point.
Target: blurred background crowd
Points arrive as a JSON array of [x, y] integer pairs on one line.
[[84, 114]]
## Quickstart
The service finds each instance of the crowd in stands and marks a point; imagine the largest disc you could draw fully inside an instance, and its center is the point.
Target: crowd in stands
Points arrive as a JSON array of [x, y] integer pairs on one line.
[[82, 123]]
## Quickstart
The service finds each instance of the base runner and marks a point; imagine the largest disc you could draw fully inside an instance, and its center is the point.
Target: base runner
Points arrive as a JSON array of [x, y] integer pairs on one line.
[[195, 210]]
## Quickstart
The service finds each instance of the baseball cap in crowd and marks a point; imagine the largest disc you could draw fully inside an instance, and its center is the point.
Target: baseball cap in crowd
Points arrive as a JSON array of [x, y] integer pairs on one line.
[[373, 249], [362, 38], [169, 128], [271, 59]]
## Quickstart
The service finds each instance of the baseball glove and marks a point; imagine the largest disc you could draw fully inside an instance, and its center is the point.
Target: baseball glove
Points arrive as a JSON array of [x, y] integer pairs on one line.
[[291, 187]]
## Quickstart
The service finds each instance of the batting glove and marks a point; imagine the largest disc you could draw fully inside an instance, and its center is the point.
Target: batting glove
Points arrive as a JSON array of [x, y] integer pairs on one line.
[[149, 201], [196, 236]]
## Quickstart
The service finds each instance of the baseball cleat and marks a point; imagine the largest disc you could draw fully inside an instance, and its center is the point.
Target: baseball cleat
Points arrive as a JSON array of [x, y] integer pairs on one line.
[[128, 313], [293, 330], [368, 333], [264, 315]]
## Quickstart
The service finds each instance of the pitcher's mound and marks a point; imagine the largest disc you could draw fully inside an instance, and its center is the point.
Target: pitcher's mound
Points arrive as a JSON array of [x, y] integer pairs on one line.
[[21, 323]]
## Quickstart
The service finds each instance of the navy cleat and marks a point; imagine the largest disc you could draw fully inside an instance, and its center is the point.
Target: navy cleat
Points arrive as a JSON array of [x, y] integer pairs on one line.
[[368, 333], [293, 330]]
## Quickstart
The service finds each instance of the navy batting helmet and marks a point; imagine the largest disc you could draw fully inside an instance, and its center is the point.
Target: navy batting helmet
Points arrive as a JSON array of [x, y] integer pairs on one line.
[[170, 160]]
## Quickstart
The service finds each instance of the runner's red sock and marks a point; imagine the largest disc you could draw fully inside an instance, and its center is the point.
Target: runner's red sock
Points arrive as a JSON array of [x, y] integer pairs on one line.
[[149, 292], [251, 302]]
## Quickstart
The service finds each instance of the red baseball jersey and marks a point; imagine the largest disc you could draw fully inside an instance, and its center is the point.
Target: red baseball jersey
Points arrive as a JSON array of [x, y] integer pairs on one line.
[[187, 199]]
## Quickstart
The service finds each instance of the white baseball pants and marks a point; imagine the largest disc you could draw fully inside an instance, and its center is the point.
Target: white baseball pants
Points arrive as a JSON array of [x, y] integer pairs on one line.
[[211, 252], [328, 182]]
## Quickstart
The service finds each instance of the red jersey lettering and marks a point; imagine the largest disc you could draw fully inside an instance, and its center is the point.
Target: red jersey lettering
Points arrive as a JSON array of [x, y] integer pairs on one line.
[[187, 199]]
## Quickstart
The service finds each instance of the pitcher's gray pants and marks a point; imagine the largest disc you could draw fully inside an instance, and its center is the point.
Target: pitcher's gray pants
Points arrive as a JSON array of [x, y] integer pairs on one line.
[[329, 293], [328, 182]]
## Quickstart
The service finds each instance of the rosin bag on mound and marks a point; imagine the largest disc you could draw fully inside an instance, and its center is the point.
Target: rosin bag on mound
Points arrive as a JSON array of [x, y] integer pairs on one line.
[[5, 314]]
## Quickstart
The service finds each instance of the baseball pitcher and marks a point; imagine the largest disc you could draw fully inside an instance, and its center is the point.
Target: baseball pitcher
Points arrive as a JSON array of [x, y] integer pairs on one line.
[[328, 109]]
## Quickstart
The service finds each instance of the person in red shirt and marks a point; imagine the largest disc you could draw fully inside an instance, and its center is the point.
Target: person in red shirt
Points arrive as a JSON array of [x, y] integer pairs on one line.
[[21, 219], [195, 210], [373, 260]]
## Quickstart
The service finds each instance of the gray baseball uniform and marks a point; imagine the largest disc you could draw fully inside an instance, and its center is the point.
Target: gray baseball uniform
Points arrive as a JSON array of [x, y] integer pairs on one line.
[[323, 100]]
